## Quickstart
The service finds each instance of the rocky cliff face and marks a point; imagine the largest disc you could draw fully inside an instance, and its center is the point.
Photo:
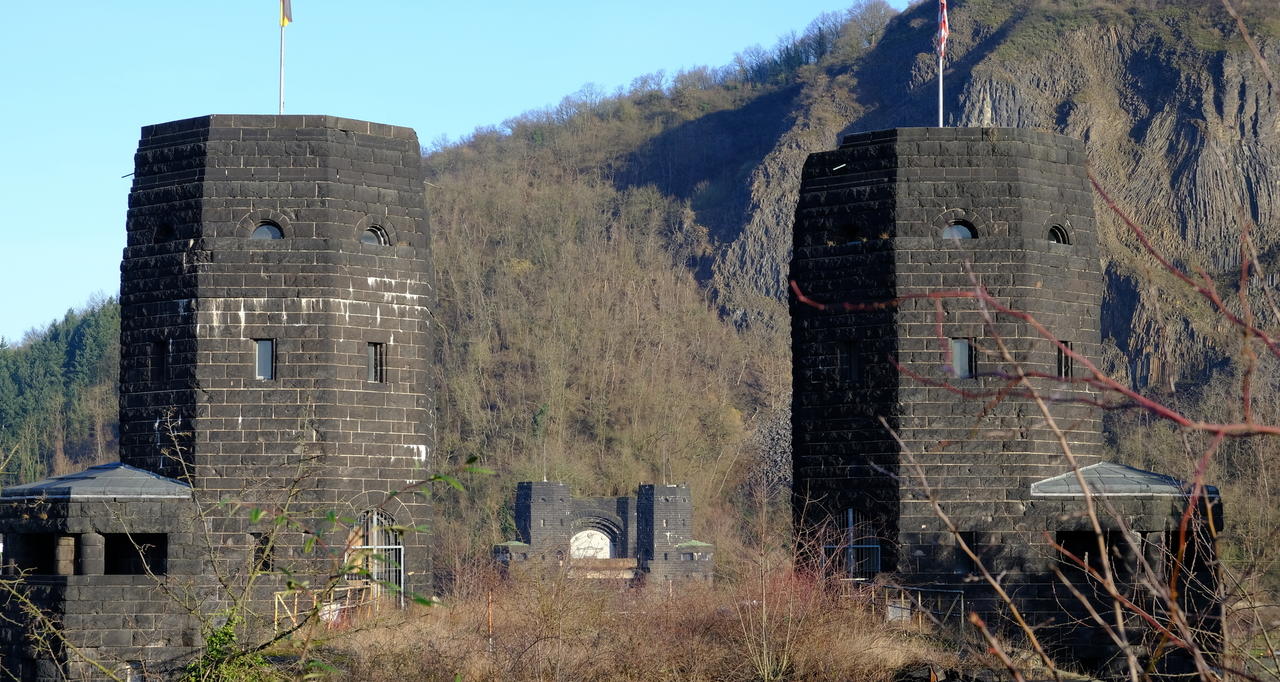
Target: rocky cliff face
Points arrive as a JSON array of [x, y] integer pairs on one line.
[[1180, 122]]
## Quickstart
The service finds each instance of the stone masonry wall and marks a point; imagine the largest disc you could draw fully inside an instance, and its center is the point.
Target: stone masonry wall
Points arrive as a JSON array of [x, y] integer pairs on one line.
[[144, 622], [868, 231]]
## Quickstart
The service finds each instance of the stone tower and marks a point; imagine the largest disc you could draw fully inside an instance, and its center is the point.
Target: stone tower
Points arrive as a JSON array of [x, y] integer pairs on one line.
[[276, 295], [908, 214], [935, 272]]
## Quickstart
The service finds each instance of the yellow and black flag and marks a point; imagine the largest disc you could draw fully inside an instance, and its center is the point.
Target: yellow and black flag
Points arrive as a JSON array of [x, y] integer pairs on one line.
[[286, 13]]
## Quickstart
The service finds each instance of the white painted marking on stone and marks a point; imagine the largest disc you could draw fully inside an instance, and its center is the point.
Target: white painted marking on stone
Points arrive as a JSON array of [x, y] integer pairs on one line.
[[420, 452]]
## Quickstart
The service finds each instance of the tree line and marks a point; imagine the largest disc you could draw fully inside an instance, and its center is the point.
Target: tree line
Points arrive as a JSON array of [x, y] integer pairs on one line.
[[58, 387]]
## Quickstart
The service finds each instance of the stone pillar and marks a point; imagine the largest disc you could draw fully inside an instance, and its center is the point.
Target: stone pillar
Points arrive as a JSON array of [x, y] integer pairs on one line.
[[64, 555], [90, 555]]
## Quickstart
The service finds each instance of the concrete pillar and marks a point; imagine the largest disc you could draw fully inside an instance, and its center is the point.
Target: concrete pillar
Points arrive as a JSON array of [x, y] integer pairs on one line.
[[64, 555], [91, 558]]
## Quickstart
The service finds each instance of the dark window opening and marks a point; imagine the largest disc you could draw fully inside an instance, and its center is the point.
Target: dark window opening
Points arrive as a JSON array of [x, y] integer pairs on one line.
[[964, 358], [263, 552], [965, 563], [375, 235], [158, 365], [264, 362], [135, 553], [959, 230], [847, 234], [164, 233], [1066, 364], [1084, 545], [1058, 235], [34, 553], [848, 363], [376, 362], [267, 231]]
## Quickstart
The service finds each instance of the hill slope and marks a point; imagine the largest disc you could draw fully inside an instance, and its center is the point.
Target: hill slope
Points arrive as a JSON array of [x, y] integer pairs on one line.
[[687, 186]]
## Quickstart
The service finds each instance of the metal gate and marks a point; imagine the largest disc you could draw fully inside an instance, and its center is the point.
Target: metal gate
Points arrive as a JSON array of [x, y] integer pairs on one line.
[[376, 556]]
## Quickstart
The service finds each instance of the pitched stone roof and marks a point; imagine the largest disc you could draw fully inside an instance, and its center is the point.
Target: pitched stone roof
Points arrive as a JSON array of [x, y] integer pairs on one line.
[[104, 480], [1108, 479]]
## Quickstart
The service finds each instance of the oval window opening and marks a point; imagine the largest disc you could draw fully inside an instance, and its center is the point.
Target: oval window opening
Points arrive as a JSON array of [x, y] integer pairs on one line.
[[1058, 235], [267, 231], [375, 235], [959, 230]]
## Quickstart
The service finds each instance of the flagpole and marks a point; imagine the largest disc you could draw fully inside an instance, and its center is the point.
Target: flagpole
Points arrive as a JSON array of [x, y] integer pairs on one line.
[[281, 68], [940, 46], [940, 91]]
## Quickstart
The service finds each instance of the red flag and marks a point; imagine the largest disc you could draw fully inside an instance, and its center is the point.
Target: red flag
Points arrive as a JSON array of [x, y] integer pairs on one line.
[[940, 40]]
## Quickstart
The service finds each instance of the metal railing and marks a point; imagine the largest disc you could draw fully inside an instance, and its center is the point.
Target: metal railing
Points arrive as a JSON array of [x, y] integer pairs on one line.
[[920, 605], [854, 562]]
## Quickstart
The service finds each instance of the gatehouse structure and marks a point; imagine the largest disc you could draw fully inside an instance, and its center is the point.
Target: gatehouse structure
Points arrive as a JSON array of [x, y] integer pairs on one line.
[[646, 537]]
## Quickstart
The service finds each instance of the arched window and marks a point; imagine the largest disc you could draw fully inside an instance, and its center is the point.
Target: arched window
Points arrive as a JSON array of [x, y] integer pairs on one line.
[[375, 555], [267, 230], [1058, 235], [959, 230], [375, 235]]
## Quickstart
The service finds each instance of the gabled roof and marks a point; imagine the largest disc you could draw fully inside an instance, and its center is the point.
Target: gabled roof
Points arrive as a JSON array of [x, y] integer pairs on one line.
[[102, 481], [1107, 479]]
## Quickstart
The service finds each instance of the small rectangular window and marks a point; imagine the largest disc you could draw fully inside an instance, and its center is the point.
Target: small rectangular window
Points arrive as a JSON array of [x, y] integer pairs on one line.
[[376, 362], [964, 358], [1066, 364], [159, 360], [263, 552], [264, 358], [848, 363], [686, 556], [964, 562], [135, 554]]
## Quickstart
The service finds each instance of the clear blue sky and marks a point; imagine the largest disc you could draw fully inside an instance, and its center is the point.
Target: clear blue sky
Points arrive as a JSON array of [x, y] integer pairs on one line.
[[81, 77]]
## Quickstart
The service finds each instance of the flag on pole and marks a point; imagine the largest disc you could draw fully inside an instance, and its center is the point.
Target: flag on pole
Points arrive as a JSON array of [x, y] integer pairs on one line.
[[940, 40], [286, 13]]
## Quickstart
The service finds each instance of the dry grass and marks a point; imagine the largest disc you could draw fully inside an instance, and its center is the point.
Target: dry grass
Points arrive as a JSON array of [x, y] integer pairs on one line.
[[553, 628]]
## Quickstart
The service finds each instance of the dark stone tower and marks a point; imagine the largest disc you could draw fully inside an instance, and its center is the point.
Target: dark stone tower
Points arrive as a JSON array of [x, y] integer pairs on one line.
[[276, 297], [907, 214], [933, 269]]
